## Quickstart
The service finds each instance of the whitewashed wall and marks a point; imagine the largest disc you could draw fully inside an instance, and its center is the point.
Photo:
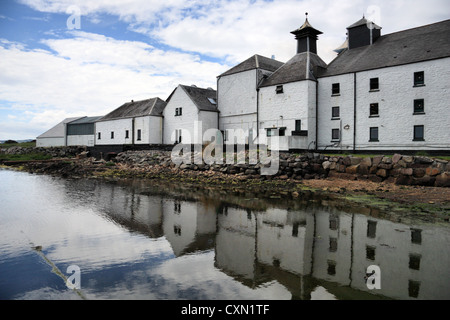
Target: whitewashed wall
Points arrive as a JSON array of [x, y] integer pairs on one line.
[[118, 127], [297, 102], [396, 97], [237, 99], [81, 140], [151, 130], [325, 104], [187, 121], [50, 142]]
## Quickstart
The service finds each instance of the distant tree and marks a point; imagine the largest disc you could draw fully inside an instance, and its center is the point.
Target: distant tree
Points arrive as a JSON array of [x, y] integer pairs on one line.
[[10, 142]]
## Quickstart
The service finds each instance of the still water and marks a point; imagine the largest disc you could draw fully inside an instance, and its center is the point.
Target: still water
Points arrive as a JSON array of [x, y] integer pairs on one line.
[[135, 240]]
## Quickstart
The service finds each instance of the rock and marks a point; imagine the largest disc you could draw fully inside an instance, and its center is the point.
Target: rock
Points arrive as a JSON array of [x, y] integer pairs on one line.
[[443, 180], [423, 181], [424, 160], [352, 169], [386, 160], [347, 161], [355, 160], [418, 172], [406, 171], [408, 159], [326, 165], [404, 180], [382, 173], [432, 171], [363, 169], [367, 161], [375, 178], [396, 158], [387, 166], [376, 160], [250, 172]]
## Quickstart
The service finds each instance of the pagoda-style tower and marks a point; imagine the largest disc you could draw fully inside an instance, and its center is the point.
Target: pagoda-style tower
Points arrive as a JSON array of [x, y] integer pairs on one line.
[[306, 37]]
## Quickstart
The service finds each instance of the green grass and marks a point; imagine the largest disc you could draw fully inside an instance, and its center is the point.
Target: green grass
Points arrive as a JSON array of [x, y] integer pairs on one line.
[[22, 144], [24, 157]]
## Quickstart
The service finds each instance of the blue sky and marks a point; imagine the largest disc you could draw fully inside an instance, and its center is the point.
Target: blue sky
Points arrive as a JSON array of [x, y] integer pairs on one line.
[[52, 68]]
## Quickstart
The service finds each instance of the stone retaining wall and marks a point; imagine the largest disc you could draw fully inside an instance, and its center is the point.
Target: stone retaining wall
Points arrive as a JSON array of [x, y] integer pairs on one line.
[[399, 169]]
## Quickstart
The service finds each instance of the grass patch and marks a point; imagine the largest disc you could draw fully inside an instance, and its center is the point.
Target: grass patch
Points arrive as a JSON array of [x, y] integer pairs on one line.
[[31, 144], [24, 157]]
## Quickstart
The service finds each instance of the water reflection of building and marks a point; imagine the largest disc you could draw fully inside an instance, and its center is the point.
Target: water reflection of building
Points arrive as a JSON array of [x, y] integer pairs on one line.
[[304, 250], [333, 249]]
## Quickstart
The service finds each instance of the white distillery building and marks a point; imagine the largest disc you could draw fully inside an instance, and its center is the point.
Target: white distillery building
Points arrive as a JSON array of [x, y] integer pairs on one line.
[[133, 123], [189, 113], [380, 93], [55, 136]]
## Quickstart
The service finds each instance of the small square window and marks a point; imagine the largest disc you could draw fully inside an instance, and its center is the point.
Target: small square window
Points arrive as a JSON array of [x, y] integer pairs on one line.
[[336, 89], [335, 134], [270, 132], [419, 78], [370, 253], [333, 222], [374, 134], [419, 106], [331, 270], [279, 89], [419, 133], [374, 110], [374, 84], [335, 113], [282, 132], [413, 288]]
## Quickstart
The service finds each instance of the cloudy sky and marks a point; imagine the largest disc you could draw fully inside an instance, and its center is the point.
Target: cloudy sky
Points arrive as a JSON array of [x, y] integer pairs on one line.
[[64, 58]]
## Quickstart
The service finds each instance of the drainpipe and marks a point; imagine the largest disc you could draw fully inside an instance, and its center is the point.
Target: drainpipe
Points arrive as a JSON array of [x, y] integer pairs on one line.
[[354, 112], [317, 116]]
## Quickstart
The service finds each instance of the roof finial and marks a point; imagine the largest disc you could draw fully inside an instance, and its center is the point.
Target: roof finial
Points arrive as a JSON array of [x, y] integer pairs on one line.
[[306, 14]]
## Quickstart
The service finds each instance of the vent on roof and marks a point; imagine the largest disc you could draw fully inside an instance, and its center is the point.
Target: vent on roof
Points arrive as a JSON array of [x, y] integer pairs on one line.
[[209, 88], [194, 86]]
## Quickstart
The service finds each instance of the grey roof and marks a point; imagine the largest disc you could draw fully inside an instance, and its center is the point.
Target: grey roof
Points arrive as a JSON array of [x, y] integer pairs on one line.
[[255, 62], [149, 107], [363, 21], [85, 120], [409, 46], [58, 130], [200, 97], [295, 70]]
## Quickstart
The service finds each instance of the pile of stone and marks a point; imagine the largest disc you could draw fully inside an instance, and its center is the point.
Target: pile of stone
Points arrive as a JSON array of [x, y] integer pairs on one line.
[[400, 169], [55, 152]]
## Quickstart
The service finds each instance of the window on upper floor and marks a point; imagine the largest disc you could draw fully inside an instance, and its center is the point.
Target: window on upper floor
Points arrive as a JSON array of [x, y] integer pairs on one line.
[[419, 79], [279, 89], [374, 110], [99, 136], [374, 84], [335, 89], [419, 133], [419, 106], [112, 134], [335, 113]]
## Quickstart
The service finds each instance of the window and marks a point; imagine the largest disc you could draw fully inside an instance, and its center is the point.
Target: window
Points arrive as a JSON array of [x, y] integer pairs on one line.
[[282, 132], [333, 222], [414, 261], [419, 106], [419, 79], [112, 134], [335, 89], [298, 125], [295, 229], [331, 270], [127, 134], [419, 133], [212, 101], [99, 136], [180, 111], [279, 89], [370, 253], [335, 134], [374, 84], [335, 113], [333, 245], [374, 134], [374, 110], [178, 136], [371, 229], [413, 288], [139, 135], [176, 112], [416, 236], [272, 132]]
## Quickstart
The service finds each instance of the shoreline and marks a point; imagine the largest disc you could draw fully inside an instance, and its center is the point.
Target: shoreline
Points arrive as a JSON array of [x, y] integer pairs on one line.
[[428, 204]]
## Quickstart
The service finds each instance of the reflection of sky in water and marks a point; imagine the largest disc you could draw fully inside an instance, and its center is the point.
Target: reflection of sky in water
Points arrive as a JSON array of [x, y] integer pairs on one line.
[[134, 245]]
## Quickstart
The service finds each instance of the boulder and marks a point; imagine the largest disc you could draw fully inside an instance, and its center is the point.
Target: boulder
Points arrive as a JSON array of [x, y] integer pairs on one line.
[[443, 180]]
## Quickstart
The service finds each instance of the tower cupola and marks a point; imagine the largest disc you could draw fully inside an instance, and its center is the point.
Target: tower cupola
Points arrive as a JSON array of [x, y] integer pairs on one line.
[[306, 37]]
